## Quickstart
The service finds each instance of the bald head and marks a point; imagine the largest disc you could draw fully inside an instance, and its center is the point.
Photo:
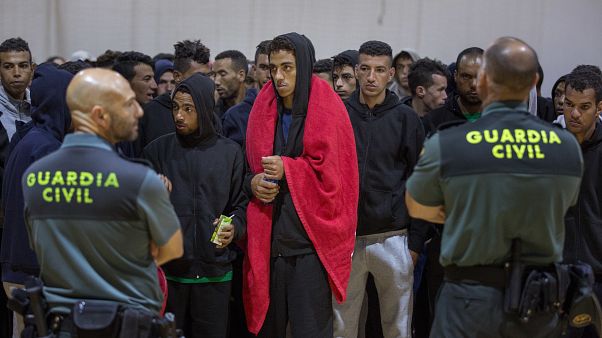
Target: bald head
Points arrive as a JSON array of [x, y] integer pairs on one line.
[[95, 86], [511, 64], [102, 102]]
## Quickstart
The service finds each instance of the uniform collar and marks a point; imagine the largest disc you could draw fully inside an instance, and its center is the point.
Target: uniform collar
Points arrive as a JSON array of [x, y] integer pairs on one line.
[[504, 105], [80, 139]]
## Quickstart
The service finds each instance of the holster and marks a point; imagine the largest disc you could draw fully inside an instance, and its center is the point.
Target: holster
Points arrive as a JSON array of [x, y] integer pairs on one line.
[[582, 305]]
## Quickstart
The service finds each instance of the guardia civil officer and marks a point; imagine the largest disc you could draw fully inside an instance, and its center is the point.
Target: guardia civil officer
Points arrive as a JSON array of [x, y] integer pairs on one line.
[[484, 180], [99, 224]]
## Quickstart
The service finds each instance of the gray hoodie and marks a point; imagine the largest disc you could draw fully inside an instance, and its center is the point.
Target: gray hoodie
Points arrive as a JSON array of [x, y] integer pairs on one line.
[[12, 110], [394, 85]]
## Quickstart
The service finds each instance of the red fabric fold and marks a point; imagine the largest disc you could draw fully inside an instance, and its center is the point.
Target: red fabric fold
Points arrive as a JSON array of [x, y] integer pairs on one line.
[[323, 182]]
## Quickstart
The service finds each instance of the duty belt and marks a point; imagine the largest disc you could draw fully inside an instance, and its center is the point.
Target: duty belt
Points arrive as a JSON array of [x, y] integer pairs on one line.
[[488, 275]]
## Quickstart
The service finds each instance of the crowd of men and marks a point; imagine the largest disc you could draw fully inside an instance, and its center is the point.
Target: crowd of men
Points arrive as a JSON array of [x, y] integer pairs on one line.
[[331, 235]]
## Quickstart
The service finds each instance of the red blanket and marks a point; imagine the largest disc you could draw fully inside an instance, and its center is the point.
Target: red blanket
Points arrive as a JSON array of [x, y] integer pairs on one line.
[[323, 183]]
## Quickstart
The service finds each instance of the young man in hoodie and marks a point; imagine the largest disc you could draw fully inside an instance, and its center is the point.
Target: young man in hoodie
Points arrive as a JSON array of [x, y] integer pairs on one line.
[[16, 71], [402, 62], [388, 137], [51, 121], [343, 73], [190, 57], [583, 242], [206, 171], [303, 183], [465, 104], [428, 81]]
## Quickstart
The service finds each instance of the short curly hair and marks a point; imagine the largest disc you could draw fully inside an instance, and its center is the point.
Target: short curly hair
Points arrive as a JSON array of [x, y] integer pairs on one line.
[[15, 45], [187, 51], [581, 79]]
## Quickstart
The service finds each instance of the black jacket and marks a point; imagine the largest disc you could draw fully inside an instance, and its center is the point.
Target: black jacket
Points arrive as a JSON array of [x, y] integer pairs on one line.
[[156, 122], [583, 240], [206, 171], [234, 121], [448, 113], [389, 139]]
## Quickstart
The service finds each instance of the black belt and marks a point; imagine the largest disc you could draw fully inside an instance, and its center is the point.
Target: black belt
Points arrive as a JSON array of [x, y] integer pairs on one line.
[[488, 275]]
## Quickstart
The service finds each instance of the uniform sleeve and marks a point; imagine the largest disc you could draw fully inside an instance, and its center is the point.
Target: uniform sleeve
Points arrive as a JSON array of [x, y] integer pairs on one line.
[[156, 209], [424, 183]]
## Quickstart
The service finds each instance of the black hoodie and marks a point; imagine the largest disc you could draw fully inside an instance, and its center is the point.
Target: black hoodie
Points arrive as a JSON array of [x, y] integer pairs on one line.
[[156, 122], [206, 171], [389, 139], [583, 241], [51, 119]]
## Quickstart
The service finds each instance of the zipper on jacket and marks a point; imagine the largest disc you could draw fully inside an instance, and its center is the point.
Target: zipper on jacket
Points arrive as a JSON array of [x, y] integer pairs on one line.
[[369, 129]]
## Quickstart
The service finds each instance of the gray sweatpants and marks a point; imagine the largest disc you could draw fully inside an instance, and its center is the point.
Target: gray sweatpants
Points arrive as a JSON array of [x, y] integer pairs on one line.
[[386, 256]]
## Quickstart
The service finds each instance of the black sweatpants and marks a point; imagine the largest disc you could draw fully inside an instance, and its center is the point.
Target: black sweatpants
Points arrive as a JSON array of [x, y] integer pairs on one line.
[[299, 294], [201, 310]]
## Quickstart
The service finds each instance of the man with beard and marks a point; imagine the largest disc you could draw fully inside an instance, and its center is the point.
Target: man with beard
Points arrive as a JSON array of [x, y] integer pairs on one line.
[[388, 137], [138, 69], [402, 63], [303, 210], [230, 67], [229, 72], [206, 171], [483, 181], [465, 104], [99, 224], [427, 80], [343, 73], [190, 57], [582, 107]]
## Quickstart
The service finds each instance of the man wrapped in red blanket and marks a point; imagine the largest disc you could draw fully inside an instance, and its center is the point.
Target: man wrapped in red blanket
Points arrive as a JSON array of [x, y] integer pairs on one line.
[[302, 217]]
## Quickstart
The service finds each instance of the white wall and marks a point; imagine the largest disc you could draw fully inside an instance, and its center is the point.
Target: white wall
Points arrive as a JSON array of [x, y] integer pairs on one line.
[[565, 33]]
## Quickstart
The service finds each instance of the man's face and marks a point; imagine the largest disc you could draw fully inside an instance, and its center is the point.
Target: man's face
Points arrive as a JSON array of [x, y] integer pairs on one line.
[[16, 70], [581, 110], [373, 74], [559, 98], [466, 79], [227, 79], [262, 70], [283, 70], [184, 114], [143, 83], [344, 81], [402, 68], [125, 112], [434, 96], [166, 83]]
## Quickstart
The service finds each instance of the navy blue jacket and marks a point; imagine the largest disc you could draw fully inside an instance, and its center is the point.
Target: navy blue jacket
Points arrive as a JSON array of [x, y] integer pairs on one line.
[[51, 120], [234, 121]]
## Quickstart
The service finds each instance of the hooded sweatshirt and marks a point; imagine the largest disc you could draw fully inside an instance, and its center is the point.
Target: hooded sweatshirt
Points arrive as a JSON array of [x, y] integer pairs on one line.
[[14, 112], [234, 121], [50, 122], [395, 87], [583, 241], [388, 138], [206, 171]]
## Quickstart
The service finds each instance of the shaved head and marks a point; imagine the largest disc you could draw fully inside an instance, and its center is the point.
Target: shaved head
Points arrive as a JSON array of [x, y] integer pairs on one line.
[[102, 102], [512, 64]]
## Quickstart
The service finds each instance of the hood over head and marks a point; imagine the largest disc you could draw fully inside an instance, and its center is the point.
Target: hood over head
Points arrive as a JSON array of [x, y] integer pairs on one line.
[[560, 80], [305, 58], [201, 89], [162, 66], [349, 56], [48, 98], [406, 51]]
